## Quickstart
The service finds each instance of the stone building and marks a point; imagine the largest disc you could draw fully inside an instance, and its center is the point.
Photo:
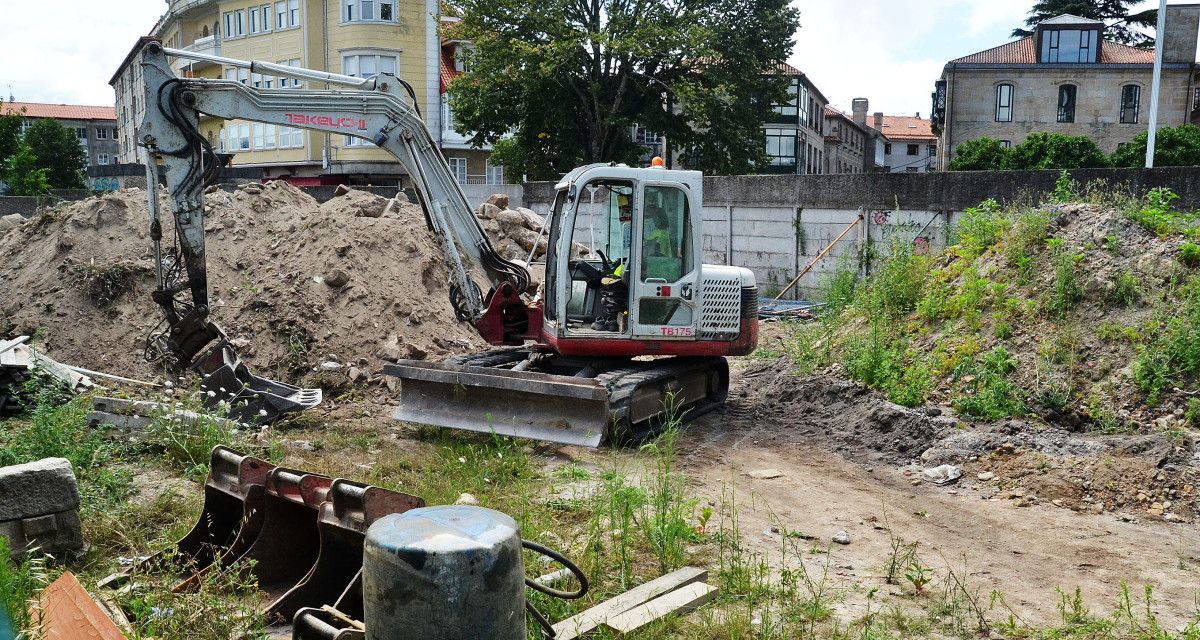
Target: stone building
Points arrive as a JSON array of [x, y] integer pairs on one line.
[[845, 143], [795, 132], [1065, 78], [95, 127], [351, 37], [909, 144]]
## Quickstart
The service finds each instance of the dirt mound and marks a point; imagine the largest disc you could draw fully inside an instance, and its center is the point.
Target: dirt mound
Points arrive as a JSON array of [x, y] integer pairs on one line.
[[358, 280], [837, 414]]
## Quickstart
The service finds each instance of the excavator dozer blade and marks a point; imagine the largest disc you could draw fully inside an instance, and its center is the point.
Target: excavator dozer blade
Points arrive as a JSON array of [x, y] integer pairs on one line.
[[524, 404]]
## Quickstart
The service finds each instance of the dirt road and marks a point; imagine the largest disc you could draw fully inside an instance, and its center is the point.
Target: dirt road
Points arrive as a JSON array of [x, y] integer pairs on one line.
[[1025, 552]]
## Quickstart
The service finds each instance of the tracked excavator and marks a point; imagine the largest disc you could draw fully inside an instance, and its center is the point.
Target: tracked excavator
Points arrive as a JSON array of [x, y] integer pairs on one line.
[[628, 327]]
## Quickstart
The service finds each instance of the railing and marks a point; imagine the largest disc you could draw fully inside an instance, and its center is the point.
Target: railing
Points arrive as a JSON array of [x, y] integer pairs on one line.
[[480, 179]]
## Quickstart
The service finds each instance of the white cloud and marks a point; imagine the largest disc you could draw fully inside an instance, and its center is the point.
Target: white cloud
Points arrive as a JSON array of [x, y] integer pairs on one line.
[[66, 51], [892, 52]]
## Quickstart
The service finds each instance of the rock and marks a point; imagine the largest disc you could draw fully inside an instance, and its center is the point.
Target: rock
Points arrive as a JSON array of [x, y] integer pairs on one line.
[[1156, 509], [37, 488], [341, 190], [500, 200], [468, 499], [765, 474], [402, 198], [841, 537], [487, 211], [530, 219], [11, 221], [330, 365], [986, 476], [336, 278], [355, 374], [39, 504], [510, 218]]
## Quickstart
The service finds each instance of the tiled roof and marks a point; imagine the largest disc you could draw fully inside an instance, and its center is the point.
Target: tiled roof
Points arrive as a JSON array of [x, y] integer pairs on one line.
[[830, 112], [1023, 51], [907, 128], [784, 69], [61, 111], [447, 67]]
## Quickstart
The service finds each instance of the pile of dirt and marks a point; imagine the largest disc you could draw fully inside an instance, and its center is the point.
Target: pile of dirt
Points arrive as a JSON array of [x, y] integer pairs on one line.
[[1154, 473], [782, 408], [358, 281]]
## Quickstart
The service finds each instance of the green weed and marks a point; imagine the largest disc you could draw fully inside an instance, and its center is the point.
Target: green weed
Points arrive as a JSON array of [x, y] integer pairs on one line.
[[1156, 213], [1189, 254], [1125, 291], [980, 227], [1065, 292], [19, 583], [985, 391]]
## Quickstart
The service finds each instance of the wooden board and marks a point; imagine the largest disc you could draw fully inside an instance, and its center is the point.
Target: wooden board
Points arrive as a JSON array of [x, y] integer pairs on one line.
[[680, 601], [69, 613], [583, 623]]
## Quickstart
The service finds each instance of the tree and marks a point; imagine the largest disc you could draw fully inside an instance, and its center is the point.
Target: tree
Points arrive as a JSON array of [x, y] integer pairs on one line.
[[980, 154], [10, 134], [1055, 151], [1122, 25], [57, 150], [22, 174], [567, 80], [1173, 147]]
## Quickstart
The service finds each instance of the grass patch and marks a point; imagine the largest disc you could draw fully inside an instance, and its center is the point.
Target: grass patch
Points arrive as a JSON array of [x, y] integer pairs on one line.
[[985, 390]]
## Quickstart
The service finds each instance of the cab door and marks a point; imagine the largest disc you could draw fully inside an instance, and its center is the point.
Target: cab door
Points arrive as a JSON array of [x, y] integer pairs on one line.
[[664, 285]]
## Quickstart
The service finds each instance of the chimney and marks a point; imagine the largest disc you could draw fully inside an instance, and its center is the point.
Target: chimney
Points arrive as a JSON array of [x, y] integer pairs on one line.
[[860, 110], [879, 121], [918, 115], [1179, 41]]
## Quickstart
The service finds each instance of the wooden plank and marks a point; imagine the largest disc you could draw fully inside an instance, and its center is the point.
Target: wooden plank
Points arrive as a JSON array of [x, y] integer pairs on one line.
[[680, 601], [68, 613], [583, 623]]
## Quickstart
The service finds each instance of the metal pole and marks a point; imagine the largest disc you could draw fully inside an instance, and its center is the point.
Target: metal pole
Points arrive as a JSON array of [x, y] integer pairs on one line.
[[1159, 36]]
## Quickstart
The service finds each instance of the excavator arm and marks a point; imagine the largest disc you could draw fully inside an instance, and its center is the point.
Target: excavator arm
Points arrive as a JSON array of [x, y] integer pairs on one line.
[[382, 110]]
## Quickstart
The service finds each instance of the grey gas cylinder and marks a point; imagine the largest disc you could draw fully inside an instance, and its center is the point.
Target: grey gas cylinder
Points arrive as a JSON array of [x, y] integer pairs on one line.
[[442, 573]]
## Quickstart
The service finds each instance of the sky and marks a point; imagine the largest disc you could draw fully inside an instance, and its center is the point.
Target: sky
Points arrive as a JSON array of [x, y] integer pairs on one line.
[[888, 51]]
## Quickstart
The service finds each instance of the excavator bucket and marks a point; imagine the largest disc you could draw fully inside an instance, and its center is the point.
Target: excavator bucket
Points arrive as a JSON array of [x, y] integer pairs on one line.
[[251, 399], [526, 404]]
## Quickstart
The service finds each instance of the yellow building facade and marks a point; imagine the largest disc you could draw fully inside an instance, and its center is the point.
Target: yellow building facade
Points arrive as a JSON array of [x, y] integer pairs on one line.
[[351, 37]]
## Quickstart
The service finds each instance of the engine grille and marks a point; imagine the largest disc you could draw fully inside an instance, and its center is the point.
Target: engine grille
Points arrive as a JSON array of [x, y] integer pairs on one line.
[[721, 304]]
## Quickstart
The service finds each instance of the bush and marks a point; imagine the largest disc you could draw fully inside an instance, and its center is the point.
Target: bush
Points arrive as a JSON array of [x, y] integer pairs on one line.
[[1066, 292], [1055, 151], [987, 393], [898, 283], [980, 154], [1172, 353], [981, 227], [1157, 214], [1173, 147], [1189, 253]]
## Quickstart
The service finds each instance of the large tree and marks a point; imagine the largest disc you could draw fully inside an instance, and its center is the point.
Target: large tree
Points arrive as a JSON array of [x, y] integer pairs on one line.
[[1123, 25], [565, 80], [10, 134], [57, 150]]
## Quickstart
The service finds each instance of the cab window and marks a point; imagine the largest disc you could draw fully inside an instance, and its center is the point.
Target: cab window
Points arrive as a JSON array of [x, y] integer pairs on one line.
[[666, 234]]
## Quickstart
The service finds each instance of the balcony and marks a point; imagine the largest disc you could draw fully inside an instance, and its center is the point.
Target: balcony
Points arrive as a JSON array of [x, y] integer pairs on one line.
[[183, 8], [209, 45]]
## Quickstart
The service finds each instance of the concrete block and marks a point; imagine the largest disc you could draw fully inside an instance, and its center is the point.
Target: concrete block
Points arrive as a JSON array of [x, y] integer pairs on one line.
[[37, 488], [55, 534]]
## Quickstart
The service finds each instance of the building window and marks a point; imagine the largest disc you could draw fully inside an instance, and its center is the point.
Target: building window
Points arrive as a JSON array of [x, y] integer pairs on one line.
[[290, 138], [102, 158], [368, 65], [932, 150], [260, 19], [263, 136], [887, 148], [458, 169], [238, 74], [912, 169], [642, 135], [1004, 96], [803, 101], [1196, 100], [289, 82], [781, 147], [81, 133], [287, 14], [235, 24], [1066, 103], [790, 107], [1131, 96], [495, 173], [447, 113], [369, 10], [236, 137], [1069, 45], [1006, 144], [914, 149], [101, 134]]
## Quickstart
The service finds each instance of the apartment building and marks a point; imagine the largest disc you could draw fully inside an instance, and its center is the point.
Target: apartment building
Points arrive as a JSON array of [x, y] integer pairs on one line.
[[909, 144], [1066, 78], [845, 143], [352, 37], [95, 127], [795, 132]]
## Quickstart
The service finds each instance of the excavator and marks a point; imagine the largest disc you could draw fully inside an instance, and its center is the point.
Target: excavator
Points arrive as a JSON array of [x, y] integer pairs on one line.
[[628, 331]]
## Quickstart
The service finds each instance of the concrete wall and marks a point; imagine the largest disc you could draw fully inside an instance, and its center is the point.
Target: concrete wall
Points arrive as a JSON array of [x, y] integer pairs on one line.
[[775, 225]]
